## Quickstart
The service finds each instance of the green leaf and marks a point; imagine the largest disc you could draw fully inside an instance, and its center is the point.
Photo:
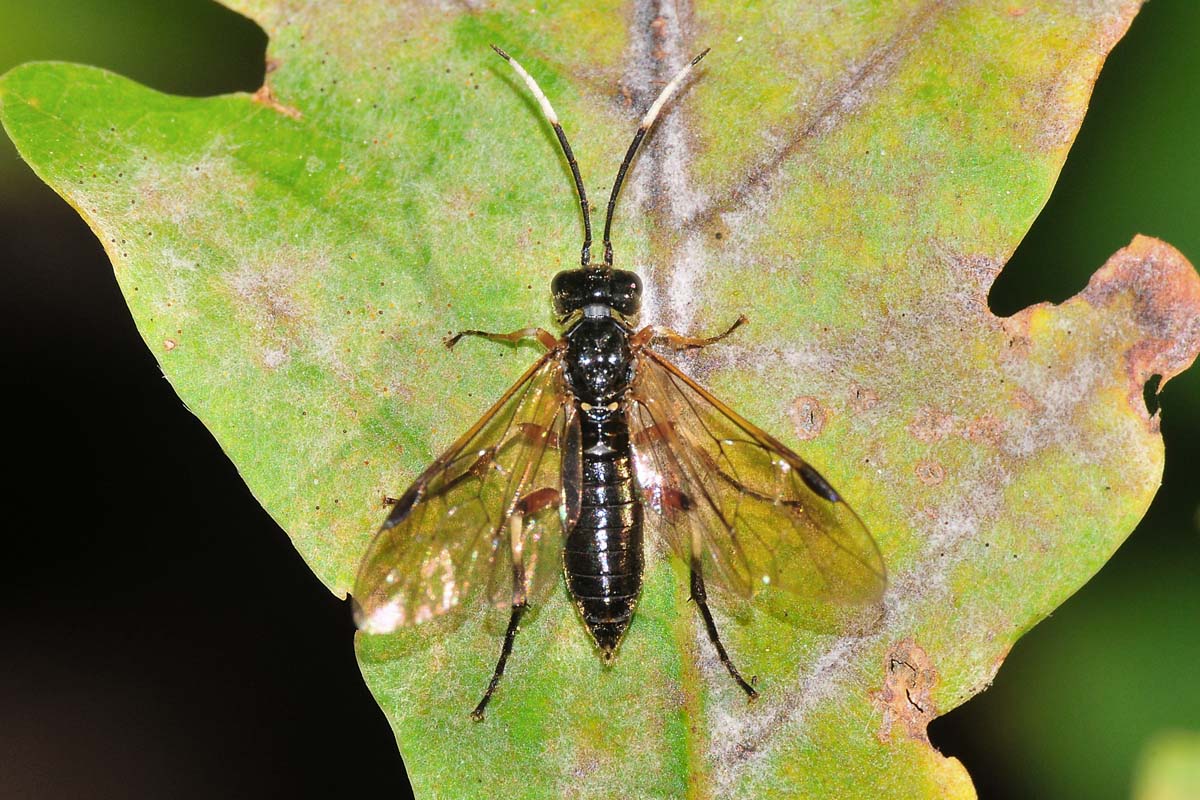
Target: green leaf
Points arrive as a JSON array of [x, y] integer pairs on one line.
[[852, 177]]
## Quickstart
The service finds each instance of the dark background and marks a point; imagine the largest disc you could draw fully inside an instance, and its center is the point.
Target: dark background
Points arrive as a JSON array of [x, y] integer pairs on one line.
[[125, 671]]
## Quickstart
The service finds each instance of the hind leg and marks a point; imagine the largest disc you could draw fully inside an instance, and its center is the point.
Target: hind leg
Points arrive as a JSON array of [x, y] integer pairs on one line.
[[701, 597], [518, 610], [530, 504]]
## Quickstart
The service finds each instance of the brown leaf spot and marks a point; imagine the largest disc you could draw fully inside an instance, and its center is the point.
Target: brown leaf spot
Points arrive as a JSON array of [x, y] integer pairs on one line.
[[931, 425], [265, 96], [929, 472], [862, 398], [986, 429], [1023, 399], [718, 231], [906, 696], [168, 344], [808, 416]]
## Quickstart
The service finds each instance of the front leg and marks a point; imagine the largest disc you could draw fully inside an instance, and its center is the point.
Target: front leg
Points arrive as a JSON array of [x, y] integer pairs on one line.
[[544, 337], [652, 334]]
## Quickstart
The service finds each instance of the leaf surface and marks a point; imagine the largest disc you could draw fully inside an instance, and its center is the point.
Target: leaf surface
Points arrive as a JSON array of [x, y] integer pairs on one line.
[[851, 176]]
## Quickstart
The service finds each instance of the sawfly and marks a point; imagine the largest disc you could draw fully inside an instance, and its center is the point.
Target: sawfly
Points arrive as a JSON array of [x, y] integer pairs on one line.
[[601, 439]]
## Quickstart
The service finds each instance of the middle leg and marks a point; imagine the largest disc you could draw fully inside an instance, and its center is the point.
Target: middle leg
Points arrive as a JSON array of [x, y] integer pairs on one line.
[[678, 341]]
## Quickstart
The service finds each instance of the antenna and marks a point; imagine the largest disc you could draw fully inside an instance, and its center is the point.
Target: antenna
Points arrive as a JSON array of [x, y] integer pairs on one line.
[[647, 121], [585, 257]]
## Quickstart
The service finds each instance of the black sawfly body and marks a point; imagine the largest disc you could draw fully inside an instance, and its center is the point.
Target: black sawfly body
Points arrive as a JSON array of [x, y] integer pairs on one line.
[[602, 554], [599, 437]]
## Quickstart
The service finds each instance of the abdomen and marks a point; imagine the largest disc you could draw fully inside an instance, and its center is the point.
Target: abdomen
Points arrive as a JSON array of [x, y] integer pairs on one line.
[[603, 551]]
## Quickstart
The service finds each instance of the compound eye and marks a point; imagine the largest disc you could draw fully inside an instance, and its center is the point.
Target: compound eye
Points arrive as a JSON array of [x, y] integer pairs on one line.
[[568, 291], [626, 293]]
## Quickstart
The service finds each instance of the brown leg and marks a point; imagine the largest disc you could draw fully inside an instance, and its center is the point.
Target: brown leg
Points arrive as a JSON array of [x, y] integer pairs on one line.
[[539, 500], [677, 341], [701, 597], [543, 337]]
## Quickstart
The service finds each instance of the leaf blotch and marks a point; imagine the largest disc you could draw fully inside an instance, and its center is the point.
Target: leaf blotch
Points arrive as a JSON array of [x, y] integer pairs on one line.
[[1162, 291], [906, 697], [808, 417], [931, 425], [929, 472], [862, 398]]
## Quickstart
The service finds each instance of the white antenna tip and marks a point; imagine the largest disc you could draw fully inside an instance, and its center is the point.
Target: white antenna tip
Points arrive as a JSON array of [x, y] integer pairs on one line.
[[547, 109], [666, 93]]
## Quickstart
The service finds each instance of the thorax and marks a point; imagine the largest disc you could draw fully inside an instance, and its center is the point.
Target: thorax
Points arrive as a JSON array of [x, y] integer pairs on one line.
[[599, 363]]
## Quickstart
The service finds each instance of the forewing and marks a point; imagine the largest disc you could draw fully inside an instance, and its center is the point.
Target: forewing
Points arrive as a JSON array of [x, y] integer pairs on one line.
[[754, 513], [450, 540]]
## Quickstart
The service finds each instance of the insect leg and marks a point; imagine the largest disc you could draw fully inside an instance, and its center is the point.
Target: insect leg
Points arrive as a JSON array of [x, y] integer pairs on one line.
[[544, 337], [677, 341], [532, 503], [518, 610], [701, 597], [516, 526]]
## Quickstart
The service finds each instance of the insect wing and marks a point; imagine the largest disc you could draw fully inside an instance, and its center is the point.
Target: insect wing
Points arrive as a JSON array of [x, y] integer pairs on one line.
[[489, 502], [755, 513]]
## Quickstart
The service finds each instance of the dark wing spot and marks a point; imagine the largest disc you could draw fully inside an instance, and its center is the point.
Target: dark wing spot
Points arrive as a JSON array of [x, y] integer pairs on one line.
[[404, 506], [814, 481], [667, 500]]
